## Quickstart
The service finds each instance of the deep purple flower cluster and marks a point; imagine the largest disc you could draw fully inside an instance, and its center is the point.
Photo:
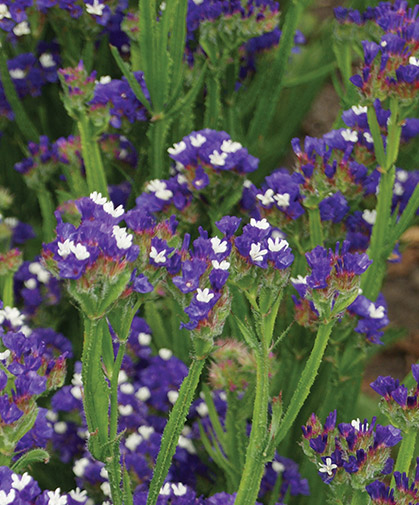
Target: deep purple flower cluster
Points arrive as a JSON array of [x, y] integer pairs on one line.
[[352, 453], [372, 317], [117, 96]]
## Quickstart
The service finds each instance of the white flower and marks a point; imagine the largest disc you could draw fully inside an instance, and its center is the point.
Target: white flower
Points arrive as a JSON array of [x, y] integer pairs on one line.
[[123, 239], [133, 441], [34, 267], [299, 279], [98, 198], [350, 135], [398, 189], [179, 489], [247, 183], [106, 488], [76, 392], [145, 431], [17, 73], [46, 60], [5, 499], [77, 380], [143, 394], [5, 354], [106, 79], [368, 137], [204, 295], [282, 200], [172, 396], [96, 9], [125, 410], [122, 377], [266, 198], [13, 315], [51, 416], [108, 207], [383, 43], [277, 244], [78, 495], [414, 61], [165, 490], [262, 224], [144, 338], [218, 159], [60, 427], [187, 444], [22, 28], [224, 265], [80, 466], [369, 216], [165, 354], [21, 481], [177, 148], [218, 245], [4, 12], [30, 284], [55, 497], [202, 409], [64, 248], [127, 388], [12, 222], [158, 257], [277, 467], [359, 109], [104, 473], [159, 188], [402, 175], [256, 253], [328, 467], [356, 423], [228, 146], [376, 312], [198, 140], [80, 251], [198, 2]]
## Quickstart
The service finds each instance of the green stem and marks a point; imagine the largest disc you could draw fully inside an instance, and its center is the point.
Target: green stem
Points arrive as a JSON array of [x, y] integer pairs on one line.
[[173, 428], [358, 497], [23, 121], [7, 285], [213, 102], [114, 391], [255, 461], [95, 172], [405, 455], [47, 207], [306, 380], [316, 231]]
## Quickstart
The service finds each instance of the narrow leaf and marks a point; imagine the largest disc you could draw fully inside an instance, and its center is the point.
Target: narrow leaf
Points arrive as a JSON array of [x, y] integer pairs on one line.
[[33, 456]]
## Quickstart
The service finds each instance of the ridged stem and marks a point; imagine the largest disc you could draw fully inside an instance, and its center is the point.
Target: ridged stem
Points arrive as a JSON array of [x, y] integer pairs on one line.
[[315, 224], [406, 452]]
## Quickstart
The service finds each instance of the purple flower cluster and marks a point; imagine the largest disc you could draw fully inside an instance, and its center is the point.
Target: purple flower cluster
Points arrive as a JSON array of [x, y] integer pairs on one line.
[[97, 249], [351, 453], [372, 317], [399, 403]]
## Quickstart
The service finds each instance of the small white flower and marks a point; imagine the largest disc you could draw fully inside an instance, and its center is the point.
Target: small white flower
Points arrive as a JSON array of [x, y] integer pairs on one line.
[[359, 109], [80, 466], [158, 257], [356, 423], [198, 140], [133, 441], [350, 135], [267, 197], [78, 495], [165, 490], [369, 216], [11, 222], [96, 9], [30, 284], [46, 60], [187, 444], [51, 416], [77, 380], [122, 377], [123, 239], [172, 396], [106, 79], [247, 183], [398, 189], [277, 244], [145, 431], [218, 159], [5, 499], [368, 137], [4, 12], [165, 354], [13, 315], [376, 312], [159, 188], [224, 265], [127, 388], [218, 245], [60, 427], [55, 497], [204, 295], [21, 481], [98, 198], [22, 28], [328, 467], [402, 175], [108, 207], [104, 473], [262, 224], [5, 354], [277, 467], [179, 489], [35, 267], [17, 73], [299, 279], [383, 43], [125, 410], [64, 248], [106, 488], [80, 252], [177, 148], [256, 253], [414, 61], [43, 276], [202, 409], [198, 2], [76, 392], [181, 179], [282, 200], [228, 146], [144, 338], [143, 394]]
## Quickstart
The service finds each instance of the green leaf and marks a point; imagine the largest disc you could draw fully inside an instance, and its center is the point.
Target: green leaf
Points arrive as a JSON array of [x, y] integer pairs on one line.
[[376, 136], [177, 43], [160, 333], [215, 421], [33, 456], [248, 334], [127, 492], [147, 41]]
